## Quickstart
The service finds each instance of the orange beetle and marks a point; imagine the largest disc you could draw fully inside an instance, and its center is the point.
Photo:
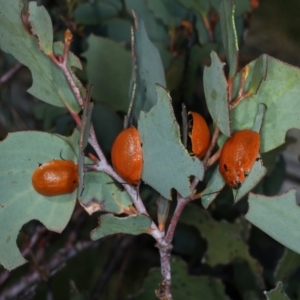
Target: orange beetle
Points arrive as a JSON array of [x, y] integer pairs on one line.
[[56, 177], [238, 156], [127, 156], [200, 135]]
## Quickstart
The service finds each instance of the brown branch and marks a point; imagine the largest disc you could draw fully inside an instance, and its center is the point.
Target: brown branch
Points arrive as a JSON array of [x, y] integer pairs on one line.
[[165, 248], [31, 280], [9, 74], [115, 260], [103, 165], [241, 94]]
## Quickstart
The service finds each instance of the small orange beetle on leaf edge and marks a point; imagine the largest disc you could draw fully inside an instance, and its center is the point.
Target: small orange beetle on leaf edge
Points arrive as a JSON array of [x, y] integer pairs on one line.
[[127, 156], [238, 156], [56, 177], [199, 135]]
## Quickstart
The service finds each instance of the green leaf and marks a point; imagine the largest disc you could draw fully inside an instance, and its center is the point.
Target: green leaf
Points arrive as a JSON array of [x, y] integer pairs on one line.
[[169, 12], [261, 111], [147, 71], [216, 94], [202, 32], [183, 284], [201, 7], [109, 224], [101, 194], [166, 55], [41, 25], [118, 29], [257, 172], [214, 186], [48, 114], [155, 30], [49, 83], [277, 216], [117, 4], [277, 293], [167, 163], [224, 240], [160, 10], [245, 280], [287, 266], [84, 137], [94, 13], [20, 203], [108, 69], [85, 124], [71, 140], [229, 36], [279, 92], [256, 73], [241, 6]]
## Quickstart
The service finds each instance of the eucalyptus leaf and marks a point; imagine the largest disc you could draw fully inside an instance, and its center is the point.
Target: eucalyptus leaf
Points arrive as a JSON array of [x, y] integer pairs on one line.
[[257, 172], [147, 71], [279, 92], [229, 35], [93, 13], [277, 216], [216, 93], [287, 265], [214, 186], [108, 69], [277, 293], [167, 163], [201, 7], [101, 194], [109, 224], [224, 240], [156, 31], [21, 153], [41, 25], [49, 82], [170, 12]]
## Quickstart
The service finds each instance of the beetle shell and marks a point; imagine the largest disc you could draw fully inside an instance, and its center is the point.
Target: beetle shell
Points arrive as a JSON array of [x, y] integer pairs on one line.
[[55, 177], [200, 135], [126, 155], [238, 156]]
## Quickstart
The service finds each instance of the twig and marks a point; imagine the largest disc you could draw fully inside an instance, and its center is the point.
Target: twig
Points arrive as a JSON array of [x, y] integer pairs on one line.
[[115, 260], [103, 165], [241, 94], [165, 248], [208, 27], [206, 160], [31, 280], [9, 74], [63, 65]]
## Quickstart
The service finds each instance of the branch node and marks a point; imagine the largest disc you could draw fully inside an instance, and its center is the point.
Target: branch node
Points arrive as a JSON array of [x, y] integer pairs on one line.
[[164, 247]]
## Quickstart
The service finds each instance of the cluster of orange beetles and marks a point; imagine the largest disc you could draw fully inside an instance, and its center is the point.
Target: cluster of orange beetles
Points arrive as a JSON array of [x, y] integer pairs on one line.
[[58, 177]]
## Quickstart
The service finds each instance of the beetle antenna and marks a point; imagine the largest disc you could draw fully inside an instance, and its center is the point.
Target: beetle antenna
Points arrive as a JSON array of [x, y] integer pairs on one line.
[[211, 193], [226, 187], [61, 155]]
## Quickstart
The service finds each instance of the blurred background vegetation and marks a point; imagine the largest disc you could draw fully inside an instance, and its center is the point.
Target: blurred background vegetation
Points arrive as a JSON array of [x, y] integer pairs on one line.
[[218, 248]]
